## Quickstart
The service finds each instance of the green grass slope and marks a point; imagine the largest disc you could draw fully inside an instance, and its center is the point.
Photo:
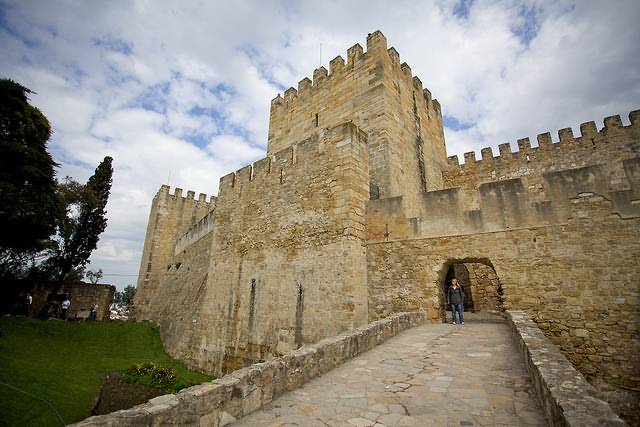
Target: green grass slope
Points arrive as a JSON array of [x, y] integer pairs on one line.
[[63, 362]]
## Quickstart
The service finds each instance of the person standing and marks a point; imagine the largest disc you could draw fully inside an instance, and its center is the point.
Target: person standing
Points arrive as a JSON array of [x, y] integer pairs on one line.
[[65, 307], [94, 312], [455, 297], [29, 304]]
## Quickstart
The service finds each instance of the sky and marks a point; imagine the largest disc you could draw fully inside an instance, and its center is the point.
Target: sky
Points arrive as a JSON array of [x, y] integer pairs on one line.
[[178, 93]]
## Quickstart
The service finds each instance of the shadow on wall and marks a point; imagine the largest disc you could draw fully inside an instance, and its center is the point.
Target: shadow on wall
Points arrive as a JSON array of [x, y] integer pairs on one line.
[[478, 279]]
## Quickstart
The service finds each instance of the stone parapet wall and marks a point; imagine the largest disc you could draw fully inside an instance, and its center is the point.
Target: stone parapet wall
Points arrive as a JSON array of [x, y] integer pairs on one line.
[[241, 392], [196, 232], [519, 190], [608, 145], [566, 396]]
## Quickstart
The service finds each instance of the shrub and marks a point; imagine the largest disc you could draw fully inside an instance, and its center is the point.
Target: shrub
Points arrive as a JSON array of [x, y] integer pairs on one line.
[[150, 374]]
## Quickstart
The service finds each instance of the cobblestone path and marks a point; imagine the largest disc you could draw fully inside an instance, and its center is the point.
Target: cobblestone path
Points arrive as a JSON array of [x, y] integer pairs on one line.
[[431, 375]]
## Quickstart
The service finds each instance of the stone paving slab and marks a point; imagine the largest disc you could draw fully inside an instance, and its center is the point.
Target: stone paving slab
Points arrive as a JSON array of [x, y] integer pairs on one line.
[[431, 375]]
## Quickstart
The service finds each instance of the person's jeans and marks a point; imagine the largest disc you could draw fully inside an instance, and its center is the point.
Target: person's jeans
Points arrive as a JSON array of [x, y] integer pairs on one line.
[[460, 308]]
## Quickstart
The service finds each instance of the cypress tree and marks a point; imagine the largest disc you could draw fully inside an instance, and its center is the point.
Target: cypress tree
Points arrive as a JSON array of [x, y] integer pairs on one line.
[[84, 220]]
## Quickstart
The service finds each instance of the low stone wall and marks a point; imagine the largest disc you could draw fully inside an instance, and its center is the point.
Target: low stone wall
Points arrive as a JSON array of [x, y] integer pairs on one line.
[[566, 396], [241, 392]]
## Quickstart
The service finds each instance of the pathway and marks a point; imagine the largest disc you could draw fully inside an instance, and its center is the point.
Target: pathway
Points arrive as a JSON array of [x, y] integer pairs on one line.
[[431, 375]]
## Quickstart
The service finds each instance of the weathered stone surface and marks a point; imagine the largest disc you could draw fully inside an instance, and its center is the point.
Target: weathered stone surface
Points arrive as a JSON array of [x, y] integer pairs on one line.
[[241, 392], [567, 398], [356, 213], [421, 377]]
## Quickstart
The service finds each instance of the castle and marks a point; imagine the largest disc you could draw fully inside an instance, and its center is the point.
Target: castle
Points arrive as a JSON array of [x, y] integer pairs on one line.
[[356, 213]]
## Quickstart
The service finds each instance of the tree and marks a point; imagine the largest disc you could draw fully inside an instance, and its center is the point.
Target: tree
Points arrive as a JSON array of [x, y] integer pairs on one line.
[[94, 276], [127, 294], [28, 202], [83, 221], [117, 297]]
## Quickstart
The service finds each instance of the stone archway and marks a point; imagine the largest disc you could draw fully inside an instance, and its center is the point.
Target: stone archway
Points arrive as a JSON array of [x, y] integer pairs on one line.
[[479, 280]]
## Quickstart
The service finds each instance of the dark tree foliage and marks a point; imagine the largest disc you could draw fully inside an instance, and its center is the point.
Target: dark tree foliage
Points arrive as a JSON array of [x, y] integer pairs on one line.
[[83, 222], [128, 294], [28, 202]]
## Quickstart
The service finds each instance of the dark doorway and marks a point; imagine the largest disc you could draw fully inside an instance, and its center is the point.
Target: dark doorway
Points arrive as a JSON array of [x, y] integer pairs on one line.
[[480, 283], [460, 272]]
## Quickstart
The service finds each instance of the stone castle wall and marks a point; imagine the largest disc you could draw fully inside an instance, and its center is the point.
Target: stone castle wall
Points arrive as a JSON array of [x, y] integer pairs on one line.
[[356, 214], [283, 264], [560, 231], [171, 216], [523, 193], [577, 280]]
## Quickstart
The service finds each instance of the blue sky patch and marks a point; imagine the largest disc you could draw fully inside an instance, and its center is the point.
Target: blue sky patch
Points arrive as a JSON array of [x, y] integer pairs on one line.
[[453, 123], [529, 26], [13, 32], [462, 8], [152, 99], [114, 44]]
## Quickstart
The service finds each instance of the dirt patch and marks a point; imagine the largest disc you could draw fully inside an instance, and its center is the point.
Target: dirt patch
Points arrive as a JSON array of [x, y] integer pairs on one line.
[[115, 395]]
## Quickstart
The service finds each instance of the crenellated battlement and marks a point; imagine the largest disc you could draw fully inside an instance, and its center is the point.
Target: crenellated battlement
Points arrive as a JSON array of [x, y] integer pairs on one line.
[[274, 167], [590, 137], [165, 192], [277, 167], [376, 90], [357, 60]]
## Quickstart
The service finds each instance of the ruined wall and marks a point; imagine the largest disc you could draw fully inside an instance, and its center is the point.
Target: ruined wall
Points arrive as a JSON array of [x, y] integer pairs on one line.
[[378, 93], [170, 218], [578, 281], [83, 297], [284, 262]]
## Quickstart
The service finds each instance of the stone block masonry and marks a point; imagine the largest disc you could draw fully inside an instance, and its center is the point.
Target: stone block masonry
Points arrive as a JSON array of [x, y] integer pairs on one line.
[[566, 396], [278, 263], [170, 218], [378, 93], [235, 395], [83, 297], [567, 277], [356, 213]]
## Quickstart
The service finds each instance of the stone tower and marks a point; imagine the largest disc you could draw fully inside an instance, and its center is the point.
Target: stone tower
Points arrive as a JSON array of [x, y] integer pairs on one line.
[[379, 95]]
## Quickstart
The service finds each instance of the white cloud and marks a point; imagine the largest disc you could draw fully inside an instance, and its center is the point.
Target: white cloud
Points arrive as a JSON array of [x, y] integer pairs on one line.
[[180, 92], [232, 148]]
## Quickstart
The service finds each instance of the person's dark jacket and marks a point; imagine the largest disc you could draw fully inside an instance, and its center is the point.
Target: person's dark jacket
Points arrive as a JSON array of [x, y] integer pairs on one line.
[[456, 296]]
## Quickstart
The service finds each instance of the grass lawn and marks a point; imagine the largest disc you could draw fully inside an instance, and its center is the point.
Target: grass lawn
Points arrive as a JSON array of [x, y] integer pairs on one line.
[[63, 362]]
